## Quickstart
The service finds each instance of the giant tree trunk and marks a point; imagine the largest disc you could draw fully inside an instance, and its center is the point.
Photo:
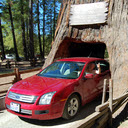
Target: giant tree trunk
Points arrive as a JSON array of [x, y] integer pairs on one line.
[[116, 39], [113, 34], [13, 32]]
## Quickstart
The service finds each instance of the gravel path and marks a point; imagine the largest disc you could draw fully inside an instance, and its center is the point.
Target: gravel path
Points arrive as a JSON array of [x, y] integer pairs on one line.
[[8, 120]]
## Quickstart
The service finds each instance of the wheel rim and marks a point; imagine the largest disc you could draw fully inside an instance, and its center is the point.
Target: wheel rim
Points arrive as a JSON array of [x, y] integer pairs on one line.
[[73, 107]]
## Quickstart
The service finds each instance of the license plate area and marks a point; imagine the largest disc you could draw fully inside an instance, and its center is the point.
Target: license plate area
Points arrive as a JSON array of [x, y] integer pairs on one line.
[[15, 107]]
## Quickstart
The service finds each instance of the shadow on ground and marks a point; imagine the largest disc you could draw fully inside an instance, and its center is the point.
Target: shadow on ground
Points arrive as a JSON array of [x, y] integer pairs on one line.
[[123, 116], [83, 113], [6, 70], [1, 111]]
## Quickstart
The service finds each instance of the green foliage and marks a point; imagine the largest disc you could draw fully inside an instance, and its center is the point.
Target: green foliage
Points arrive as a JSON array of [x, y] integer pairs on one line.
[[17, 17], [106, 54]]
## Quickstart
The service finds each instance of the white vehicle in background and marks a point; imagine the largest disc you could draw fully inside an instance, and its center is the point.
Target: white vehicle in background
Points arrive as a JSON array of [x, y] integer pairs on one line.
[[10, 57]]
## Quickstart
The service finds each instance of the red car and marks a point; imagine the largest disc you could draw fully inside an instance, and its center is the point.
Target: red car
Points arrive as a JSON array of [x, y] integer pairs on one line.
[[58, 90]]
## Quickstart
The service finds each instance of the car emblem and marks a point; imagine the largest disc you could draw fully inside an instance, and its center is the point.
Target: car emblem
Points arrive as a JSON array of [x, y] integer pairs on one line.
[[17, 97]]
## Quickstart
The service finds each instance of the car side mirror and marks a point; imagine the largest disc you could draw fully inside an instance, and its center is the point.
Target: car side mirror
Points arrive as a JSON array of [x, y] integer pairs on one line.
[[88, 76]]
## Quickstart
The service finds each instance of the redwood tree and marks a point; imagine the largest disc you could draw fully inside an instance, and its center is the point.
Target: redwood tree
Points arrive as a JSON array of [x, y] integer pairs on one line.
[[1, 42], [44, 12], [13, 32], [23, 31], [31, 41], [39, 37]]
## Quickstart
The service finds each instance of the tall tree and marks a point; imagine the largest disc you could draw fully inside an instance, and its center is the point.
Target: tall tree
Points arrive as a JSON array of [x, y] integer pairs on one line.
[[31, 40], [13, 32], [39, 37], [1, 42], [44, 12], [27, 27], [23, 31], [54, 19]]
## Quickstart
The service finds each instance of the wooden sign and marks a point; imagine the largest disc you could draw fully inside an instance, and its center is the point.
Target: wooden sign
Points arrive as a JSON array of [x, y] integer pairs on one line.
[[86, 14]]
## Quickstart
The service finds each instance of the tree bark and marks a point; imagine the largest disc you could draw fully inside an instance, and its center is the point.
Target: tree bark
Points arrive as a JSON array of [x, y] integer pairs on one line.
[[117, 44], [1, 40], [13, 32]]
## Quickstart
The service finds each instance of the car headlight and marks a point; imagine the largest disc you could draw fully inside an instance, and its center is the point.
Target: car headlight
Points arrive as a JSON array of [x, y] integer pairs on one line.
[[46, 98]]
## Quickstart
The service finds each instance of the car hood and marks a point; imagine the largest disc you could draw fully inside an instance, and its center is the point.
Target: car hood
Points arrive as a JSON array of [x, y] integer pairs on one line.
[[36, 85]]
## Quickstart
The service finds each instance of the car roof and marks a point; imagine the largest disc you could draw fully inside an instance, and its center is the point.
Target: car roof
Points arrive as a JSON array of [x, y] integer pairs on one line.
[[80, 59]]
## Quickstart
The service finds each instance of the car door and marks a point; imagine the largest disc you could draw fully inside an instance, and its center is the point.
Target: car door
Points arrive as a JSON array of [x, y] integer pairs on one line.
[[104, 74], [89, 85]]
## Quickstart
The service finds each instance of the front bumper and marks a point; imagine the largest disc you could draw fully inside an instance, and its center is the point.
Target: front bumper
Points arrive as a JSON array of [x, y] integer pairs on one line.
[[34, 111]]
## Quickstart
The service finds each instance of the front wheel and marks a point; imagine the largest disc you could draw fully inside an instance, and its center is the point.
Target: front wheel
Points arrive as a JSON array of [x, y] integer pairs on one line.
[[71, 107]]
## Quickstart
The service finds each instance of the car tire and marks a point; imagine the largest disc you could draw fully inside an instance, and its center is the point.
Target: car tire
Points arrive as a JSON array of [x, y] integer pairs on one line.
[[71, 107]]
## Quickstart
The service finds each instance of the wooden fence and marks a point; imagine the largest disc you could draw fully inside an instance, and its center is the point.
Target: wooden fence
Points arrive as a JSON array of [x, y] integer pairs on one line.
[[17, 76], [14, 64], [102, 117]]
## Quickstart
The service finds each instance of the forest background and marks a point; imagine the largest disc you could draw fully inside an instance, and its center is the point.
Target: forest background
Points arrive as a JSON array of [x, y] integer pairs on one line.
[[27, 27]]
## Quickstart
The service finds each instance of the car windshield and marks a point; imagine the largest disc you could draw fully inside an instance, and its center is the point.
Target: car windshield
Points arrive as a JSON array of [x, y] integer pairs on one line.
[[65, 70]]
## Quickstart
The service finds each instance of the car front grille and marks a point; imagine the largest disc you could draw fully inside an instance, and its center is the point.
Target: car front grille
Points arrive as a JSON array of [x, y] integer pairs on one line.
[[22, 98]]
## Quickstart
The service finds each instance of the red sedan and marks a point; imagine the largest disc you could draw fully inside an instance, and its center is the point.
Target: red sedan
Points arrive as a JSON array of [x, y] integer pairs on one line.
[[58, 90]]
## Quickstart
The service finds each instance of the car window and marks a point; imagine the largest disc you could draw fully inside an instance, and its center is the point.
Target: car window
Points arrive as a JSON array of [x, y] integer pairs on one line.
[[90, 68], [62, 69], [104, 65]]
